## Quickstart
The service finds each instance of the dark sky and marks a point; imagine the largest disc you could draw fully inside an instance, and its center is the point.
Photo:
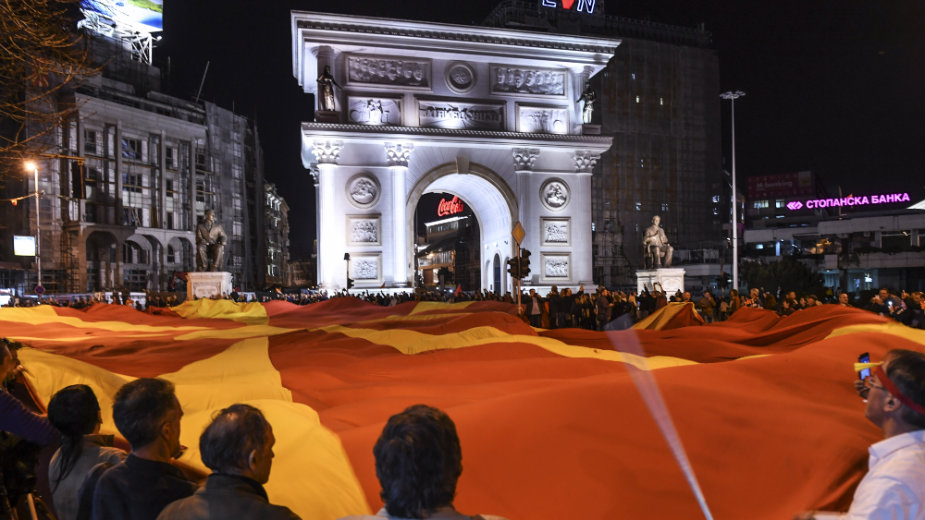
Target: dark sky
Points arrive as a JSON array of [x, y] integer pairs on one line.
[[833, 86]]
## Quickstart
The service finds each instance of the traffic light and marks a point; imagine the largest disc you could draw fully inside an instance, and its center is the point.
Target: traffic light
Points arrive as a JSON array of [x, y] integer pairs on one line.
[[349, 283], [525, 263], [513, 264]]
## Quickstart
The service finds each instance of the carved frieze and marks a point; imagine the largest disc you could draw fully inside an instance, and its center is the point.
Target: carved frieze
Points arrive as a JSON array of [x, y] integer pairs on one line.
[[398, 154], [555, 266], [554, 194], [327, 152], [363, 190], [367, 110], [364, 230], [366, 268], [507, 79], [585, 161], [452, 114], [542, 120], [555, 231], [524, 158], [374, 70]]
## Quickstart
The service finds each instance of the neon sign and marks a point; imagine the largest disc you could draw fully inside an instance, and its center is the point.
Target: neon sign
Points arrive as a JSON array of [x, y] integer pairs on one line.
[[449, 207], [580, 5], [850, 200]]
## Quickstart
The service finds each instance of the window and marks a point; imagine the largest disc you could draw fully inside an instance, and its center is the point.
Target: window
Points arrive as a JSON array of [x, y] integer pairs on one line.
[[170, 220], [171, 158], [171, 253], [168, 186], [760, 204], [90, 141], [779, 203], [664, 206], [639, 206], [132, 182], [131, 149]]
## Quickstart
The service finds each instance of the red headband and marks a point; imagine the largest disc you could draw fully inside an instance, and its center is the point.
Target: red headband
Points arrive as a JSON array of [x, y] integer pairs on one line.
[[891, 388]]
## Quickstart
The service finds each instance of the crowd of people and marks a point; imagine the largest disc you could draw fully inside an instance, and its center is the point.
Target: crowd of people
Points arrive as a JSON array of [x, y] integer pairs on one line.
[[593, 310], [417, 456]]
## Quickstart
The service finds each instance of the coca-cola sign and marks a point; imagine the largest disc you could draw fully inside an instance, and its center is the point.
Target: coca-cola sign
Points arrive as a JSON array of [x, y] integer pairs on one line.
[[449, 207]]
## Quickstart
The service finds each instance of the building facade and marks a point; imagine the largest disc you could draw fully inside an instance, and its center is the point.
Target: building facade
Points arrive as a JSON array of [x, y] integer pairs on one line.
[[127, 180], [659, 100], [488, 115]]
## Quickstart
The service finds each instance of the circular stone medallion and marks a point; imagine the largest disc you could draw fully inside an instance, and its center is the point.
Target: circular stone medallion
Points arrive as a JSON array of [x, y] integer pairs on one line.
[[554, 194], [363, 190], [460, 77]]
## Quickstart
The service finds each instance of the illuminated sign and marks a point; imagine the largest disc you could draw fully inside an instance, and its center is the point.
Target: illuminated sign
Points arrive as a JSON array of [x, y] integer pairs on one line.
[[141, 14], [23, 246], [586, 6], [449, 207], [850, 200]]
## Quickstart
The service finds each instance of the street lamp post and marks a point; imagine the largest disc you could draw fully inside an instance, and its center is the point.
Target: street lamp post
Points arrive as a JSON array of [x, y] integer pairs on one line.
[[732, 96], [38, 242]]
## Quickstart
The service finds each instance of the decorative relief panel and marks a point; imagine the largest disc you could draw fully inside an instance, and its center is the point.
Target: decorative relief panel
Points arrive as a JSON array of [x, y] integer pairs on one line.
[[507, 79], [364, 230], [398, 154], [555, 231], [468, 116], [366, 267], [555, 194], [460, 77], [542, 120], [327, 152], [555, 266], [363, 190], [373, 70], [373, 110], [585, 161]]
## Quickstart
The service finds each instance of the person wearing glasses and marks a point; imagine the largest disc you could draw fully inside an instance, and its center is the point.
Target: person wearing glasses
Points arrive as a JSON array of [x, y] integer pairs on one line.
[[894, 486]]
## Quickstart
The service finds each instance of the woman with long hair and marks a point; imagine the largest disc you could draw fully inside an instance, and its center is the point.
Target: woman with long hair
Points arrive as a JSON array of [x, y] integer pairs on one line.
[[75, 412]]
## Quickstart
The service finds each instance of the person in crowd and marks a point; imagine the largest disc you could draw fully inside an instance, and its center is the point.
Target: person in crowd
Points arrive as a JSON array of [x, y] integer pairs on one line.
[[75, 412], [238, 447], [883, 303], [812, 301], [843, 299], [603, 305], [554, 302], [894, 486], [770, 302], [707, 306], [534, 309], [754, 299], [15, 417], [418, 463], [147, 413]]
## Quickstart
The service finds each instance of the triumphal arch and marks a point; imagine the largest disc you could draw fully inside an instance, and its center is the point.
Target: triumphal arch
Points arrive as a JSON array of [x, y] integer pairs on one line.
[[493, 116]]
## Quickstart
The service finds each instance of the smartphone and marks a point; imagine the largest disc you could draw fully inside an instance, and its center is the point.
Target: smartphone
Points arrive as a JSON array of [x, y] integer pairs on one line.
[[864, 373]]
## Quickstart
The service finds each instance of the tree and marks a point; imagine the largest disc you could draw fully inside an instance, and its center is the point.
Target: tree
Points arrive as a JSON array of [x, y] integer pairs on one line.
[[788, 274], [42, 56]]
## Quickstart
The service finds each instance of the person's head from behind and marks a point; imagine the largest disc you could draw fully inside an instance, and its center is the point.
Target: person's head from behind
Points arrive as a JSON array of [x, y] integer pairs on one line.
[[74, 411], [146, 411], [896, 398], [7, 360], [418, 461], [239, 441]]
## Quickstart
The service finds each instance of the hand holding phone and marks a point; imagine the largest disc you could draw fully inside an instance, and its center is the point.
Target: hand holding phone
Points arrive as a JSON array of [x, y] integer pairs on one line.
[[865, 372]]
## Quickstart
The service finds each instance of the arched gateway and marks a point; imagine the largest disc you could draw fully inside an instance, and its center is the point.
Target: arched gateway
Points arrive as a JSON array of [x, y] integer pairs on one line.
[[488, 115]]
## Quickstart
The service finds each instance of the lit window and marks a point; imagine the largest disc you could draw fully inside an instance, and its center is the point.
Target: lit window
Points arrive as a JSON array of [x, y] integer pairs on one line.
[[637, 99], [633, 75], [661, 101], [715, 198], [639, 206]]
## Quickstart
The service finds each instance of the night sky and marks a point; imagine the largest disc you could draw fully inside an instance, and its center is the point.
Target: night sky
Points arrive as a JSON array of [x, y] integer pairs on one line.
[[832, 86]]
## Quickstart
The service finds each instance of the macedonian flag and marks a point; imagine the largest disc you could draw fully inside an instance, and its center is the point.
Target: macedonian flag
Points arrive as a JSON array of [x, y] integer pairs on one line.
[[551, 422]]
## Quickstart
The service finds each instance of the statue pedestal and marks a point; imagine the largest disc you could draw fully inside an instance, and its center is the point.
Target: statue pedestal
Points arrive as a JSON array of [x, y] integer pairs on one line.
[[214, 284], [589, 129], [327, 116], [671, 279]]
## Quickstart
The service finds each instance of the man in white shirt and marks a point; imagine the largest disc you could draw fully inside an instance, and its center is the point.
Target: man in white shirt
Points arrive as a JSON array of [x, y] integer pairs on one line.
[[894, 487]]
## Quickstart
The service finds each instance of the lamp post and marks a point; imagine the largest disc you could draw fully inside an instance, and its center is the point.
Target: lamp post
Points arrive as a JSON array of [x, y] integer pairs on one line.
[[38, 242], [732, 96]]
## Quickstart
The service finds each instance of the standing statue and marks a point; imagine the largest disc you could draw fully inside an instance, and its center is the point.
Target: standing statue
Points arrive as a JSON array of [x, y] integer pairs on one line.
[[210, 243], [656, 246], [326, 86], [587, 97]]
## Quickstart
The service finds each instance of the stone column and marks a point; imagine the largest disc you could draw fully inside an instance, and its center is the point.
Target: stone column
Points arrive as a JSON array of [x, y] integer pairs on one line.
[[327, 153], [398, 155]]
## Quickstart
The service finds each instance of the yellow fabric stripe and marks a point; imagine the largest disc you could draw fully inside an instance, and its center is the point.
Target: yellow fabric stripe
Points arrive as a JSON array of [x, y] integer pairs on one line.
[[314, 478], [45, 314], [253, 312], [661, 317], [411, 342], [893, 328]]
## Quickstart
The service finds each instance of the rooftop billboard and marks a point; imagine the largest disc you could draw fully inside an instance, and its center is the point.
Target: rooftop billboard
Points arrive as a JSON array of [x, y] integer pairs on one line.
[[142, 15]]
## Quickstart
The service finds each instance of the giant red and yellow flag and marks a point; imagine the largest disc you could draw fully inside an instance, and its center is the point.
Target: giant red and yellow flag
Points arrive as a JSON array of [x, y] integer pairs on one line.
[[551, 423]]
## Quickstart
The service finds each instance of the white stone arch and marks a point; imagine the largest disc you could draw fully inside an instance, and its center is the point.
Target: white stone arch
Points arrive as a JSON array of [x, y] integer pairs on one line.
[[491, 199]]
